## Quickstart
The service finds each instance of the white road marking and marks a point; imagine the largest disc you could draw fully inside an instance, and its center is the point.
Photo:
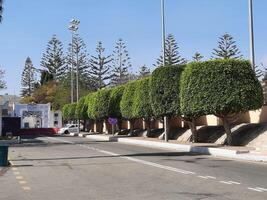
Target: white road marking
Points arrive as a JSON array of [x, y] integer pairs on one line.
[[132, 159], [258, 189], [263, 189], [204, 177], [211, 177], [225, 182], [22, 182], [26, 188], [14, 169], [19, 177], [234, 182], [16, 172], [255, 189]]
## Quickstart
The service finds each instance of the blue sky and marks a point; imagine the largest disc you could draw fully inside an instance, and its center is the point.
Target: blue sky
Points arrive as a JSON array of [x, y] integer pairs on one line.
[[196, 24]]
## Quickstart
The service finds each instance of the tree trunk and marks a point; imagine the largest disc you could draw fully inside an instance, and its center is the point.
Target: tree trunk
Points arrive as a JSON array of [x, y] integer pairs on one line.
[[148, 127], [100, 126], [227, 128], [192, 125], [166, 128], [131, 127]]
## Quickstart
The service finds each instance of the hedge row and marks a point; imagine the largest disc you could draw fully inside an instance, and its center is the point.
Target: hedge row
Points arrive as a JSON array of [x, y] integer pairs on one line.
[[219, 87]]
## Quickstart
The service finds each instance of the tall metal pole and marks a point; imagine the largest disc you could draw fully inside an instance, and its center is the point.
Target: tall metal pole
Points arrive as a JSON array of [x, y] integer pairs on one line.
[[163, 30], [71, 71], [77, 78], [251, 34], [166, 118]]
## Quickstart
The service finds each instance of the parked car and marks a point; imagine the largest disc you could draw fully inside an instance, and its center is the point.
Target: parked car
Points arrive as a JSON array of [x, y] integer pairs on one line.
[[69, 128]]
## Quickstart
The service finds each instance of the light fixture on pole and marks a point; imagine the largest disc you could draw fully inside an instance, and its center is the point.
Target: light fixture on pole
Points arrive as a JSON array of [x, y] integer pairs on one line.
[[73, 27], [251, 34]]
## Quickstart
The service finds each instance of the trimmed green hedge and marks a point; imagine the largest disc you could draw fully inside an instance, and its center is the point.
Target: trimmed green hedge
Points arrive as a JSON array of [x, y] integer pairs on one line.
[[90, 100], [127, 101], [100, 105], [142, 104], [81, 109], [69, 111], [114, 102], [219, 87], [165, 83]]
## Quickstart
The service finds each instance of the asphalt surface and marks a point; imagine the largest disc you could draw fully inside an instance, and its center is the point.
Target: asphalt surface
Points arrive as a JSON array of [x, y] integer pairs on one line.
[[54, 168]]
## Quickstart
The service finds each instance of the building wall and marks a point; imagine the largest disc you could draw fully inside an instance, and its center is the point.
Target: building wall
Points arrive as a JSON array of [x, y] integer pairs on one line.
[[55, 119]]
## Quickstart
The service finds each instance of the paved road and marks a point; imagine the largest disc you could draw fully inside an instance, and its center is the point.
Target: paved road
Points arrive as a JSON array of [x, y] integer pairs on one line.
[[76, 168]]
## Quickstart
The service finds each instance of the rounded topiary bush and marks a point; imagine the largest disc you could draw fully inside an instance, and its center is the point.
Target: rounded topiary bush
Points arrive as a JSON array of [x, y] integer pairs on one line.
[[164, 93], [66, 112], [219, 87], [81, 109], [114, 101], [127, 101], [142, 104], [90, 100], [101, 104]]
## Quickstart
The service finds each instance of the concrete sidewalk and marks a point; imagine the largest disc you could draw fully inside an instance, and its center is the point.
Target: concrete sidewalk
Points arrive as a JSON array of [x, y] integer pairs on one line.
[[233, 152]]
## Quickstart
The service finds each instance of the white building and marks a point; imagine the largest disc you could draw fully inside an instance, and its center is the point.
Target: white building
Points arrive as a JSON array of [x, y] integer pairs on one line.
[[38, 116]]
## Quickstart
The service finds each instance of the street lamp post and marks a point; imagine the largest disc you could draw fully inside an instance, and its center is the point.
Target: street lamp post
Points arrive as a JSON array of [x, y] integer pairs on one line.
[[166, 120], [251, 34], [73, 27], [163, 29]]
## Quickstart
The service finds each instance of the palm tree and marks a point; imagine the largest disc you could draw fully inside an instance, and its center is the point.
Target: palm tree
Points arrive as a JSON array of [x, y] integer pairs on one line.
[[1, 10]]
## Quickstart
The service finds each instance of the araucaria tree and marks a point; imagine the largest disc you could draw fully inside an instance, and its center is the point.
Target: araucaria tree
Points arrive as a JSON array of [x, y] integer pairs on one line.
[[2, 82], [28, 79], [1, 10], [197, 57], [100, 67], [77, 57], [144, 71], [121, 64], [53, 58], [227, 48], [172, 55]]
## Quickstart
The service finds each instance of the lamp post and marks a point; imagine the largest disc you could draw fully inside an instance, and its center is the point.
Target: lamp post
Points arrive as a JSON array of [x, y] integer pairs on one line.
[[73, 27], [251, 34], [163, 29], [166, 118]]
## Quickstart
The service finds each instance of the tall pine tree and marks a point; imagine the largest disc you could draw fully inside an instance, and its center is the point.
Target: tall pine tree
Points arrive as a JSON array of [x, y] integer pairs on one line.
[[100, 67], [78, 59], [226, 49], [1, 10], [197, 57], [28, 79], [144, 71], [121, 64], [172, 55], [53, 58], [2, 82]]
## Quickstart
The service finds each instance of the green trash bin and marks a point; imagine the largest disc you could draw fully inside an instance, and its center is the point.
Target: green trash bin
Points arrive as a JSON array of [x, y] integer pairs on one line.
[[3, 155]]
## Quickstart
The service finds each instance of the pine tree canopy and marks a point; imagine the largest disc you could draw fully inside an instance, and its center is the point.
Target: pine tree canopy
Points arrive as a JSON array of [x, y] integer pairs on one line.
[[172, 54], [1, 10], [100, 67], [227, 48], [120, 63], [2, 82], [28, 79], [144, 71], [197, 57], [53, 58]]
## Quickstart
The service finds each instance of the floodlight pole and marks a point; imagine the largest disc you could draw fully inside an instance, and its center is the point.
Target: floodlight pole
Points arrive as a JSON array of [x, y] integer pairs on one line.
[[251, 34]]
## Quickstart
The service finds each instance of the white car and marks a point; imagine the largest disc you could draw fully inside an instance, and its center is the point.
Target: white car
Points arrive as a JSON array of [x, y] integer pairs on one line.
[[69, 128]]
